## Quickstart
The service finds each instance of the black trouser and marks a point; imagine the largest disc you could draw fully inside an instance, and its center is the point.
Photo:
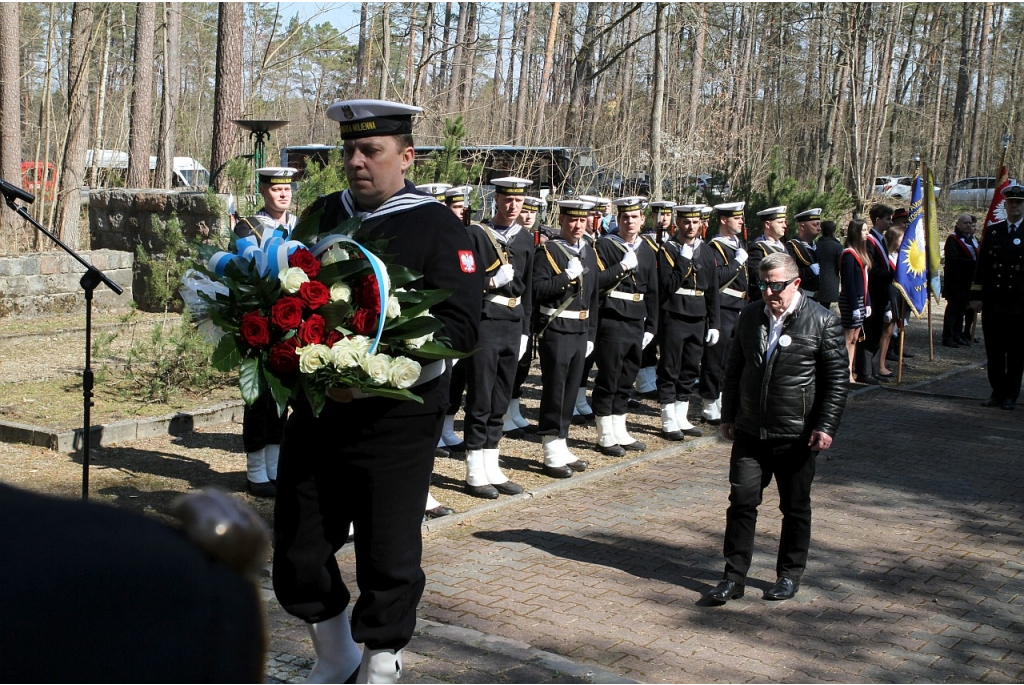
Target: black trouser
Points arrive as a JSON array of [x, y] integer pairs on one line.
[[650, 353], [561, 366], [955, 321], [489, 382], [1003, 323], [261, 426], [751, 467], [523, 370], [456, 387], [874, 327], [365, 462], [588, 366], [712, 364], [618, 360], [682, 344]]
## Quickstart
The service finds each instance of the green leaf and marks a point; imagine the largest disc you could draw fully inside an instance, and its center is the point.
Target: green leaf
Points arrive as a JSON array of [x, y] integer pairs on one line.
[[316, 396], [394, 393], [400, 275], [347, 227], [278, 388], [430, 298], [308, 228], [414, 328], [227, 354], [332, 273], [334, 313], [432, 350], [250, 381]]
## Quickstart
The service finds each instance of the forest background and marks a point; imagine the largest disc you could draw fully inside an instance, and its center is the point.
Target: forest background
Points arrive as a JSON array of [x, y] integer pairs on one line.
[[821, 96]]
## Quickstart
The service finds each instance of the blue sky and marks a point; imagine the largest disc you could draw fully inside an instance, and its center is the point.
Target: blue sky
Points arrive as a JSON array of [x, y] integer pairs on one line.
[[343, 16]]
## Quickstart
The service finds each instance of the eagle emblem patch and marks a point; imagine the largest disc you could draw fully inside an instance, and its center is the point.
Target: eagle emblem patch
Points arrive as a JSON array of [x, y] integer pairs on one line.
[[347, 112], [466, 261]]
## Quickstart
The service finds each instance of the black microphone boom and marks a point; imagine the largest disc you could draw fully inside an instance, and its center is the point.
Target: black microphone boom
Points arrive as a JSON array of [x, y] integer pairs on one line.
[[13, 192]]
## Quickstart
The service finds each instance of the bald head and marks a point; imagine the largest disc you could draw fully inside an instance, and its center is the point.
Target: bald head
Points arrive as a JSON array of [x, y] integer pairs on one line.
[[965, 224]]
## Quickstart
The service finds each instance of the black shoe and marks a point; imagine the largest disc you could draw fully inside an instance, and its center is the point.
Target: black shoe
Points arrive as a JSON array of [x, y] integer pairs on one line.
[[508, 488], [693, 432], [582, 419], [514, 433], [907, 354], [579, 466], [635, 446], [992, 402], [867, 380], [963, 341], [261, 489], [439, 511], [633, 404], [557, 471], [457, 449], [724, 591], [784, 588], [610, 450], [883, 379], [442, 452], [950, 343], [482, 491], [1008, 405], [675, 436]]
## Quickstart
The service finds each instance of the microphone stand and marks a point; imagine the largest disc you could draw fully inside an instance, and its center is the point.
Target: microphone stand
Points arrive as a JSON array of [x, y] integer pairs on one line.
[[90, 279]]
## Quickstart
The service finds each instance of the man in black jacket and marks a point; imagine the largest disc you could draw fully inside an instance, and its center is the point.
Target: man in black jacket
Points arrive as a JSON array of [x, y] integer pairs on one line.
[[784, 393], [961, 254]]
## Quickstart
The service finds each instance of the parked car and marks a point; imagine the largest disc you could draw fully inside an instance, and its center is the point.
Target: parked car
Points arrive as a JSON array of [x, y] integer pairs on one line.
[[976, 191], [882, 181], [901, 188], [40, 179]]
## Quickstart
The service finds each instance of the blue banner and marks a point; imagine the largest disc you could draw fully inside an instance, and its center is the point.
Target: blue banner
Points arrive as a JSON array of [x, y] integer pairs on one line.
[[912, 263]]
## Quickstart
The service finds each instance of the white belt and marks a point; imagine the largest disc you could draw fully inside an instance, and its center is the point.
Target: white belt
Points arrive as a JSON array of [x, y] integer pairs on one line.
[[566, 313], [691, 293], [632, 297], [733, 293], [510, 302], [427, 373]]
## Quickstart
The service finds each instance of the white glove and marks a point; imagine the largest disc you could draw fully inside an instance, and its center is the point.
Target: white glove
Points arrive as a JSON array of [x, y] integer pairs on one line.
[[629, 261], [815, 268], [741, 255], [648, 337], [503, 276], [523, 342], [590, 348], [687, 251], [574, 268], [888, 316], [712, 337], [867, 311]]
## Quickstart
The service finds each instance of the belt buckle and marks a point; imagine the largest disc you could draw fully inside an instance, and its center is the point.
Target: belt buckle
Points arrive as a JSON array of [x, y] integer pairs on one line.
[[636, 297], [512, 302], [583, 315]]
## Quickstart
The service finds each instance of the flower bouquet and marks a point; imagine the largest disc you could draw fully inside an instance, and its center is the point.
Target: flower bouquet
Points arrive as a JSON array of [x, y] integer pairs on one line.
[[318, 315]]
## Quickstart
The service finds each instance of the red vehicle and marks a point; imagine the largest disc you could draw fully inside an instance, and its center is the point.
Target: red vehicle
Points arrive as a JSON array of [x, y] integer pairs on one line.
[[39, 178]]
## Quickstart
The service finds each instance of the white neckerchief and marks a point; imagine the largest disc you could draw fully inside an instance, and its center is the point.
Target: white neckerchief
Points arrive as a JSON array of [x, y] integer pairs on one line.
[[775, 325], [402, 201], [732, 241], [577, 248], [505, 234], [773, 241], [289, 219], [629, 246]]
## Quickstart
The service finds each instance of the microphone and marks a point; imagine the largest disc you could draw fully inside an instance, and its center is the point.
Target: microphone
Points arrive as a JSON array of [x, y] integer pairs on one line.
[[13, 192]]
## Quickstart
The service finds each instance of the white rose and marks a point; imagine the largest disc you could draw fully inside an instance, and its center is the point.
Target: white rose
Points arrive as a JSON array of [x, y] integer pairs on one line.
[[417, 343], [341, 292], [313, 357], [394, 308], [404, 372], [333, 254], [361, 344], [346, 355], [292, 279], [377, 367]]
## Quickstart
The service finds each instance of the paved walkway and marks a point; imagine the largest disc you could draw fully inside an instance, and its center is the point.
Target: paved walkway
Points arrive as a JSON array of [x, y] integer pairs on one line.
[[916, 571]]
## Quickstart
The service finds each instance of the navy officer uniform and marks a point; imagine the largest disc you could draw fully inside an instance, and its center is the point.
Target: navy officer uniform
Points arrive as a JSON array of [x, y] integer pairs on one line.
[[802, 249], [773, 227]]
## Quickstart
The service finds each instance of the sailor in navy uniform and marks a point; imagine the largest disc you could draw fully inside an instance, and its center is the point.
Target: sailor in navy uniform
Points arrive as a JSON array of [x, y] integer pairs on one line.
[[688, 283], [262, 424], [435, 190], [367, 460], [582, 411], [999, 287], [730, 254], [705, 221], [802, 250], [661, 229], [627, 321], [565, 293], [505, 251], [513, 423], [773, 230]]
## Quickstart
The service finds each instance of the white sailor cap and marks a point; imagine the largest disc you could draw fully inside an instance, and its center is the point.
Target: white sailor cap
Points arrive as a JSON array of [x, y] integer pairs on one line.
[[631, 203], [457, 194], [730, 208], [531, 203], [592, 199], [604, 202], [575, 208], [772, 213], [705, 211], [276, 175], [663, 206], [511, 185], [809, 215], [366, 118], [435, 189], [688, 211]]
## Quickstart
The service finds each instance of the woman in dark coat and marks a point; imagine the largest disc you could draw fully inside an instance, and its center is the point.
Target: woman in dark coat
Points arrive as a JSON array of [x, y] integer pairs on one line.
[[854, 302]]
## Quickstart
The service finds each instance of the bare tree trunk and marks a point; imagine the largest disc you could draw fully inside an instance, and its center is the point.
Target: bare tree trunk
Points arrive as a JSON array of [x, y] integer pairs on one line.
[[469, 57], [549, 54], [101, 103], [385, 51], [956, 133], [410, 59], [165, 144], [519, 134], [10, 118], [428, 41], [696, 73], [364, 31], [497, 87], [141, 131], [659, 98], [227, 96], [979, 99], [457, 57]]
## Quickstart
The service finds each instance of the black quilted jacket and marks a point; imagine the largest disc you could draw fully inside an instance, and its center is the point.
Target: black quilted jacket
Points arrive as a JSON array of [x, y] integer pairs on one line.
[[801, 388]]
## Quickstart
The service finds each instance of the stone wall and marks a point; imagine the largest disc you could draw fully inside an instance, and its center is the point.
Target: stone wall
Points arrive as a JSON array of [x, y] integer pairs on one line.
[[47, 283]]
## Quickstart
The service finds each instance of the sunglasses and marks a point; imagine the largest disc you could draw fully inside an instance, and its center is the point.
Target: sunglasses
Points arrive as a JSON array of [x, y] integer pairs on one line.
[[777, 286]]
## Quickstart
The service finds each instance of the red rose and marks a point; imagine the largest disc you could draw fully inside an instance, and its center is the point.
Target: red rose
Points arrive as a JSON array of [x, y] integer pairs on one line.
[[311, 331], [333, 337], [286, 313], [315, 294], [255, 330], [304, 259], [282, 358], [369, 293], [364, 322]]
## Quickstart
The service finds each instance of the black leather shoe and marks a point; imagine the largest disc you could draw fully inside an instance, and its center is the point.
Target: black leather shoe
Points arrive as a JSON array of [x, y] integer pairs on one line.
[[693, 432], [1008, 405], [482, 491], [579, 466], [675, 436], [883, 379], [992, 402], [950, 343], [868, 380], [724, 591], [784, 588], [963, 341], [633, 404], [442, 453], [611, 450], [514, 433], [508, 488], [635, 446], [907, 354], [457, 449], [439, 511], [582, 419], [557, 471], [267, 489]]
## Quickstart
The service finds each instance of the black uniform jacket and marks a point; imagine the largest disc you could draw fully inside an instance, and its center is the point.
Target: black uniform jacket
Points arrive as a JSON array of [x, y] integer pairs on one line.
[[829, 251], [643, 280], [515, 249], [804, 255], [801, 388], [731, 274], [695, 273], [552, 287]]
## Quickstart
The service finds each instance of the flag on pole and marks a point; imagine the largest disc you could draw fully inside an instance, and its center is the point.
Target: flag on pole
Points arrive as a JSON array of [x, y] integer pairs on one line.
[[912, 263], [996, 213], [931, 233]]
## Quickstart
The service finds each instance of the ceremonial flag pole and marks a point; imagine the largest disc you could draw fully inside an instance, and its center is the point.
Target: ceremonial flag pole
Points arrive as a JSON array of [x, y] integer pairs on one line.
[[931, 233], [912, 261]]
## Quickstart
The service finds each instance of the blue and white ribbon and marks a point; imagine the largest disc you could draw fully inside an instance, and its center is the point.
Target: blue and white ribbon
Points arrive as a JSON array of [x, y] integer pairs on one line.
[[270, 257], [379, 270]]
